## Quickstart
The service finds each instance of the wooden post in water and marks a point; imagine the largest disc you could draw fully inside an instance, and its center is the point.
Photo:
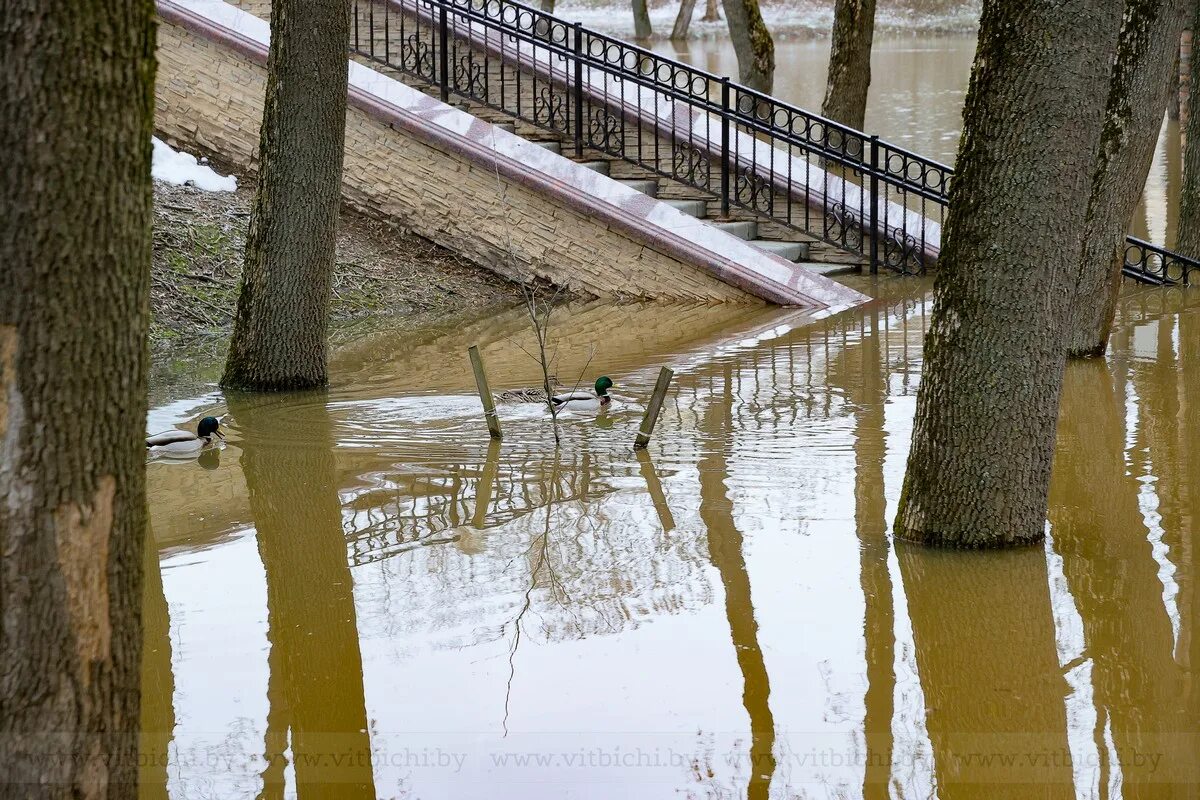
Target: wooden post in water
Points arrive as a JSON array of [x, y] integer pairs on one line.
[[652, 410], [485, 394]]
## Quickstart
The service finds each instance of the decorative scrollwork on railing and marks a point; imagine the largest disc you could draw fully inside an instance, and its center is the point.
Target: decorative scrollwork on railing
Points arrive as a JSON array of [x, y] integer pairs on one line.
[[902, 252], [470, 77], [691, 165], [754, 191], [550, 109], [842, 227], [416, 57], [606, 131]]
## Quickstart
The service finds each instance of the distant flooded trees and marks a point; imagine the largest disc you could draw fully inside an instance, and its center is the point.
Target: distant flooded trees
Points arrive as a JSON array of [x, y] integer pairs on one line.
[[752, 43], [849, 74], [77, 103], [1137, 98], [984, 434], [283, 309]]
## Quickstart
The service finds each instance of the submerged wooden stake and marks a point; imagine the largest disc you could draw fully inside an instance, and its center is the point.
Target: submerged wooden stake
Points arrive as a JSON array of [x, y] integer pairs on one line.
[[652, 410], [485, 394]]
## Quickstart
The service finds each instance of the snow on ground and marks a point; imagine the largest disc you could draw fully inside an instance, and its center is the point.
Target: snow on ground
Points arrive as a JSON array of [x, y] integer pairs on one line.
[[174, 167]]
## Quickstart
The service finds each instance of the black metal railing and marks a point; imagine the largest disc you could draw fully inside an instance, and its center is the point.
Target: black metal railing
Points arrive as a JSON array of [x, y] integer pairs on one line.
[[745, 149]]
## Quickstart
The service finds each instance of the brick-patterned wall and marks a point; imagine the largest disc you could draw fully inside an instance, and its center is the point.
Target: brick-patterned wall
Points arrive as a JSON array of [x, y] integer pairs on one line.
[[209, 96]]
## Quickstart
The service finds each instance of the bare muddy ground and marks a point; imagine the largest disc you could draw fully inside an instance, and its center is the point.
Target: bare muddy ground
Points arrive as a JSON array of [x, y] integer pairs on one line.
[[381, 271]]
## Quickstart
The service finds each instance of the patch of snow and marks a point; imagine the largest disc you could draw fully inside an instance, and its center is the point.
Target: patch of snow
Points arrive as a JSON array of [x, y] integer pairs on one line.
[[174, 167]]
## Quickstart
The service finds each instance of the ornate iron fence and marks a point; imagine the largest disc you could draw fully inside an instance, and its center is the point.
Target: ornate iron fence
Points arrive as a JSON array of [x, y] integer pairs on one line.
[[745, 149]]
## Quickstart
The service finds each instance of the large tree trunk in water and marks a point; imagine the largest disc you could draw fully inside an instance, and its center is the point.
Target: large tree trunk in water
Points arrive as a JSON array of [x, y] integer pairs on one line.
[[983, 437], [752, 43], [77, 103], [641, 20], [283, 310], [850, 62], [1188, 240], [711, 13], [683, 20], [1137, 97]]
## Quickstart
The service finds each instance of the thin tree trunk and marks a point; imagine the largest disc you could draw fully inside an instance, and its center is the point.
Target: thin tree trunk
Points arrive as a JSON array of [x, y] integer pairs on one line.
[[77, 104], [546, 5], [1188, 239], [850, 62], [1137, 97], [711, 11], [983, 437], [641, 20], [283, 310], [752, 43], [683, 20]]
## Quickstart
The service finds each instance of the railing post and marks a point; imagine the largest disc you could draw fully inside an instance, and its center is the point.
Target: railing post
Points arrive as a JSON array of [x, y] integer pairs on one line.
[[874, 214], [443, 53], [724, 147], [578, 90]]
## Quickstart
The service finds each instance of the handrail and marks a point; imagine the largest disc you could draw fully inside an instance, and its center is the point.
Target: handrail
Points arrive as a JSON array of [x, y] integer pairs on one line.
[[747, 149]]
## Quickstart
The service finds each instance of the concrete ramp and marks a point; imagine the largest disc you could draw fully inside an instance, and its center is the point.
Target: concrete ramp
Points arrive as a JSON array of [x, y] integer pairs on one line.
[[500, 200]]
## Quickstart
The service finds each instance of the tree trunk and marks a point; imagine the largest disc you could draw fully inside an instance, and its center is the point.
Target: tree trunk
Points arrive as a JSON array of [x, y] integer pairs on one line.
[[77, 103], [1173, 92], [983, 436], [683, 20], [711, 11], [282, 317], [315, 688], [1137, 96], [546, 5], [1188, 239], [850, 62], [752, 43], [641, 20]]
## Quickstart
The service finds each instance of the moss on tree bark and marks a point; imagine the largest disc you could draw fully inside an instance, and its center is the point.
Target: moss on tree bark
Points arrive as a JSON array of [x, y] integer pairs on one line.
[[1188, 240], [752, 43]]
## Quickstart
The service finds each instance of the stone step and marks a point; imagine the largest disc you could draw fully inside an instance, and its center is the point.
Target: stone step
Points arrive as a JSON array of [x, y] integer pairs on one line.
[[696, 208], [792, 251], [828, 270], [551, 145], [742, 230], [649, 187], [596, 166]]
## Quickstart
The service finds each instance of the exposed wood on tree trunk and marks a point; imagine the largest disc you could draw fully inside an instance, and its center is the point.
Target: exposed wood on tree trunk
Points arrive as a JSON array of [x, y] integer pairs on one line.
[[752, 43], [987, 408], [283, 310], [850, 62], [1188, 239], [1133, 115], [77, 103], [683, 20], [641, 20]]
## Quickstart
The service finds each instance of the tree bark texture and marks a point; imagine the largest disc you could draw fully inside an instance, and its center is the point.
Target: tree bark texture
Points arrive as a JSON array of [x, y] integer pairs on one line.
[[641, 20], [983, 438], [1137, 97], [77, 104], [711, 11], [850, 62], [279, 334], [546, 5], [752, 43], [1188, 239], [683, 20]]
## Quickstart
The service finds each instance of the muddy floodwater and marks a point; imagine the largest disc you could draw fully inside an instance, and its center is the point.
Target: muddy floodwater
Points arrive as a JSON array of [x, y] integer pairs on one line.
[[918, 84], [361, 597]]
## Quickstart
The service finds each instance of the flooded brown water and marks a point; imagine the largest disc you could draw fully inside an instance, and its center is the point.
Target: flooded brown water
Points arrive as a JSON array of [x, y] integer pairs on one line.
[[918, 84], [361, 597]]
